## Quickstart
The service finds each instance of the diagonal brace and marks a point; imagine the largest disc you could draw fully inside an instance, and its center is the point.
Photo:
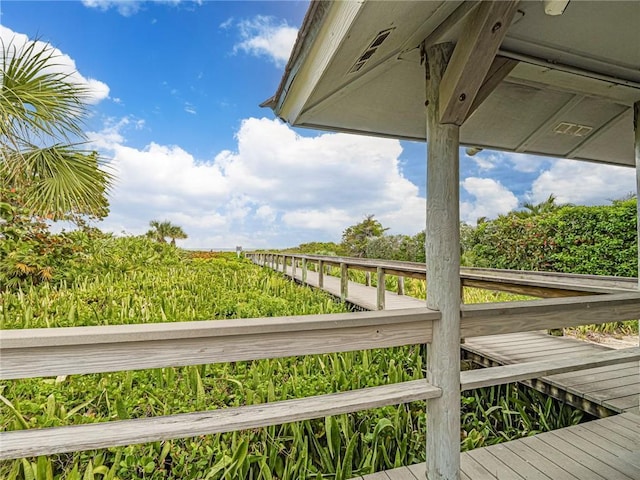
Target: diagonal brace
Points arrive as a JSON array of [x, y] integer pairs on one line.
[[481, 36]]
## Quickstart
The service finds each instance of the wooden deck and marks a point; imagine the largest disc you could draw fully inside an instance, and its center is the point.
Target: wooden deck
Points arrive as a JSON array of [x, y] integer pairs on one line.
[[599, 391], [605, 449]]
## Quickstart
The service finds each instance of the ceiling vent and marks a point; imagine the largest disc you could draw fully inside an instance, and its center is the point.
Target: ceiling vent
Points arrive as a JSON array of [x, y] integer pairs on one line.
[[573, 129], [371, 49]]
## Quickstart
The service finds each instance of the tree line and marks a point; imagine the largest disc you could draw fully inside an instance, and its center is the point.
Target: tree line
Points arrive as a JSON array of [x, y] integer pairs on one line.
[[596, 240]]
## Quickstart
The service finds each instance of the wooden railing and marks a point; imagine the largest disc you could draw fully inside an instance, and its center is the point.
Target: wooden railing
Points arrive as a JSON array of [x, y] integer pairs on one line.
[[79, 350], [535, 284]]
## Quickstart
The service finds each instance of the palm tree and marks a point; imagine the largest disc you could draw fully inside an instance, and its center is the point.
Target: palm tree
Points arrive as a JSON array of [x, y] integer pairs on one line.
[[41, 114], [176, 232], [160, 231], [530, 209]]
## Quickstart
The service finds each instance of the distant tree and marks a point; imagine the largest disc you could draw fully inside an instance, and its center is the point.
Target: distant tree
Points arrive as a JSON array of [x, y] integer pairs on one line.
[[160, 231], [176, 232], [355, 237], [530, 209]]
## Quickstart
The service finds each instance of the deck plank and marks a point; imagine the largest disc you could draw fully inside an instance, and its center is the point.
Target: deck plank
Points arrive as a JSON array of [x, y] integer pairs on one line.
[[533, 457], [508, 457]]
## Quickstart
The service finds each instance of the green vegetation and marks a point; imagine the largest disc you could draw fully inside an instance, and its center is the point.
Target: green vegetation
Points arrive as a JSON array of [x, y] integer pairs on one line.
[[356, 237], [137, 280], [598, 240], [41, 113]]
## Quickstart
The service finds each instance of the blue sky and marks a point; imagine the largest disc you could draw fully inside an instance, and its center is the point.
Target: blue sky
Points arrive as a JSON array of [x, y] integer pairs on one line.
[[176, 87]]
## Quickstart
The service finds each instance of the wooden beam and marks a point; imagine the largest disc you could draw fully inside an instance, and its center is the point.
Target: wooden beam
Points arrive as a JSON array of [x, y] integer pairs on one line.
[[500, 68], [487, 377], [481, 36], [31, 353], [510, 317], [443, 275], [448, 24], [49, 441]]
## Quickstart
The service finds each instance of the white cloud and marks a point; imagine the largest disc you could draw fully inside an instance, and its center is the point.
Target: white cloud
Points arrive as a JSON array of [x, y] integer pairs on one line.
[[127, 8], [226, 24], [189, 108], [526, 163], [261, 36], [275, 189], [96, 90], [585, 183], [491, 199], [485, 161]]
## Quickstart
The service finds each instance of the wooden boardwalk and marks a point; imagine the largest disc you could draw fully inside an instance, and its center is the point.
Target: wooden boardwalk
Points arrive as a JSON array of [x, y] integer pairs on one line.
[[599, 391], [605, 449]]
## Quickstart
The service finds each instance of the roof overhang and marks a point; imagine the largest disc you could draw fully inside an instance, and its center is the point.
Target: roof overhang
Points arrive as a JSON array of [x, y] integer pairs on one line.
[[561, 85]]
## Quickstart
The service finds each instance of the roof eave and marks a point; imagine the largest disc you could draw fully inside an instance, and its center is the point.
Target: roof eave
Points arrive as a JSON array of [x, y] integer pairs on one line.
[[306, 36]]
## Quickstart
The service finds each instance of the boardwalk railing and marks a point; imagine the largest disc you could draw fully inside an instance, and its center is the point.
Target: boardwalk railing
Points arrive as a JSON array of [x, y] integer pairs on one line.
[[81, 350], [536, 284]]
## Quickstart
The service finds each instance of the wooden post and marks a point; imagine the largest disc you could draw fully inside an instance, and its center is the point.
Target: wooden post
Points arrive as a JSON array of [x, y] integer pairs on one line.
[[293, 267], [367, 279], [320, 274], [344, 281], [304, 270], [400, 285], [443, 276], [284, 264], [380, 289], [636, 128]]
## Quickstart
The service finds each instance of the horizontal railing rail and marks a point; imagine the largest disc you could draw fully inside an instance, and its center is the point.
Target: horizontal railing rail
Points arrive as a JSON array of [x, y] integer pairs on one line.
[[79, 350], [73, 350], [537, 284], [48, 441]]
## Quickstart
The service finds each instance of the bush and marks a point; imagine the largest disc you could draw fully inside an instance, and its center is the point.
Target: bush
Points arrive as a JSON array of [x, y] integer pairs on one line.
[[597, 240]]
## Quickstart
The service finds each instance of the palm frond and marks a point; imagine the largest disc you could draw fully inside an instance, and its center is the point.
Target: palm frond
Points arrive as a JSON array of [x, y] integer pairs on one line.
[[35, 98], [60, 180]]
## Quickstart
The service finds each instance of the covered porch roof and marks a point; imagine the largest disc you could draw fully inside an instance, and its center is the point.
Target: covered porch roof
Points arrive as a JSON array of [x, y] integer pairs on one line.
[[560, 85]]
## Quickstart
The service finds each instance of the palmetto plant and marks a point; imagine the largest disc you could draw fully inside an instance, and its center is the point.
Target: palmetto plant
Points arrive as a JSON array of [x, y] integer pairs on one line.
[[41, 114]]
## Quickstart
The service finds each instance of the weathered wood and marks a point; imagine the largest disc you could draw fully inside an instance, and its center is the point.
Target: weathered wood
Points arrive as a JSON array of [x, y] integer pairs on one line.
[[400, 285], [445, 27], [483, 32], [537, 284], [63, 351], [500, 68], [636, 128], [508, 317], [304, 270], [48, 441], [443, 274], [320, 274], [367, 279], [293, 267], [529, 282], [486, 377], [380, 288], [344, 281]]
